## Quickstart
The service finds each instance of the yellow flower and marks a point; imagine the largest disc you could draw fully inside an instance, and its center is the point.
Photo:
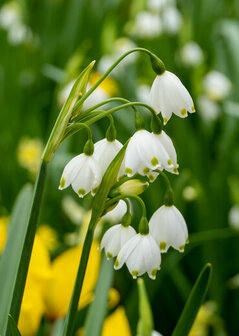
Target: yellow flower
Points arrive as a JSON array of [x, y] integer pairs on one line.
[[32, 308], [109, 85], [114, 298], [29, 154], [203, 320], [116, 324], [48, 236], [3, 232], [59, 288]]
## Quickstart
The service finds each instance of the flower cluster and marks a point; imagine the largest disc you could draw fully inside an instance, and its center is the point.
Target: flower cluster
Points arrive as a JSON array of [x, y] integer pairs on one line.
[[147, 155]]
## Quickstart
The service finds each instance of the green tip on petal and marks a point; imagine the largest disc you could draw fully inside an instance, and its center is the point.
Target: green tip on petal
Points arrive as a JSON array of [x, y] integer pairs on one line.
[[109, 255], [153, 273], [163, 246], [175, 170], [165, 120], [187, 240], [146, 170], [81, 192], [181, 248], [183, 112], [151, 178], [116, 265], [135, 274], [154, 161], [94, 191], [128, 171], [62, 183]]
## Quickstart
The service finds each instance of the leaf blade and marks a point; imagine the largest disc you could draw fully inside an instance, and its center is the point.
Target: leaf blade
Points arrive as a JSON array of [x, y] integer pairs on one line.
[[194, 302]]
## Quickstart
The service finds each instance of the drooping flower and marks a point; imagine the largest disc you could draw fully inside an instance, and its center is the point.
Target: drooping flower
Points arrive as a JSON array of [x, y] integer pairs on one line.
[[146, 152], [141, 254], [147, 25], [105, 151], [172, 20], [191, 54], [115, 238], [164, 140], [83, 173], [168, 95], [168, 228], [116, 213], [216, 85]]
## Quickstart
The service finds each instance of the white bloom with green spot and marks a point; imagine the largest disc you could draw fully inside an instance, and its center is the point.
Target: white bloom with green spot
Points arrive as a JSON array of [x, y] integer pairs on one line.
[[114, 239], [105, 151], [83, 173], [164, 140], [145, 154], [168, 228], [141, 254], [168, 95]]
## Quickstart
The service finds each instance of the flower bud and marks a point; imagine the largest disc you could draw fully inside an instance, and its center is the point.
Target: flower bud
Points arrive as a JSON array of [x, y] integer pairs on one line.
[[135, 187]]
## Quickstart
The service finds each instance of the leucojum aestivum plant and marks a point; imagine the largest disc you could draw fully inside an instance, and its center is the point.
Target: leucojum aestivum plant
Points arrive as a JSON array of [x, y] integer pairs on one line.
[[113, 172]]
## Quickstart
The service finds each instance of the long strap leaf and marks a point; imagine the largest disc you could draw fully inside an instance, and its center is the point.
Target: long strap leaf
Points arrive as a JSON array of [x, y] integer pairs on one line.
[[10, 259], [193, 303], [97, 310]]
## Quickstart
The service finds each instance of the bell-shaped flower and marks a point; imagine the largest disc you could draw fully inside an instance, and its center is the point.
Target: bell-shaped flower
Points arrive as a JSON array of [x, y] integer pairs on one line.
[[145, 153], [141, 254], [164, 140], [83, 173], [115, 238], [105, 151], [168, 228], [168, 95]]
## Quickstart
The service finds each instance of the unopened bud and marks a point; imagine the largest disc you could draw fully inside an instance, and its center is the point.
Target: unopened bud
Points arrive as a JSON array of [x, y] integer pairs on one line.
[[135, 187]]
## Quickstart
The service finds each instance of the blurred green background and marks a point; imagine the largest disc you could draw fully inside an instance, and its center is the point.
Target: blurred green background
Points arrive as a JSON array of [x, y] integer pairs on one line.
[[43, 47]]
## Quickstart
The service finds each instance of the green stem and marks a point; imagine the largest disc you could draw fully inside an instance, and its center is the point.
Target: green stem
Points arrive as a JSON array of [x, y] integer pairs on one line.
[[70, 319], [85, 113], [108, 180], [117, 108], [165, 178], [169, 195], [123, 197], [152, 57], [28, 244]]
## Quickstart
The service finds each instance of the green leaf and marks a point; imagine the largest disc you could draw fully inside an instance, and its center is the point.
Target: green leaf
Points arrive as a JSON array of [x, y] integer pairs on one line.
[[145, 324], [13, 326], [98, 307], [193, 303], [11, 255]]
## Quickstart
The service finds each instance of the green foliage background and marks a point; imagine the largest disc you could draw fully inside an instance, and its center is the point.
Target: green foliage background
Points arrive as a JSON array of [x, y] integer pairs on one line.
[[31, 76]]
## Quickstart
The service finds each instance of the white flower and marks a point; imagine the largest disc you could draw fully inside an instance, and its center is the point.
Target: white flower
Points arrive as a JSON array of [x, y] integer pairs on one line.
[[164, 140], [155, 333], [141, 254], [105, 151], [168, 95], [83, 173], [95, 97], [216, 85], [209, 109], [143, 93], [233, 217], [10, 13], [115, 238], [191, 54], [147, 25], [117, 213], [147, 151], [172, 20], [169, 228], [158, 5], [120, 46]]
